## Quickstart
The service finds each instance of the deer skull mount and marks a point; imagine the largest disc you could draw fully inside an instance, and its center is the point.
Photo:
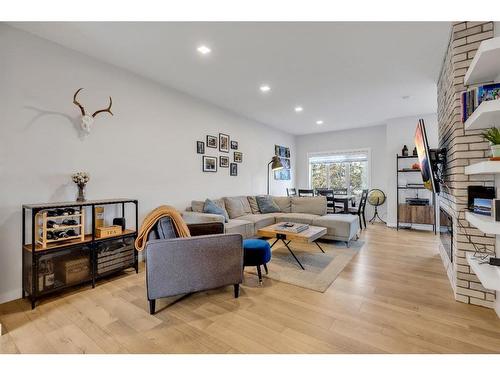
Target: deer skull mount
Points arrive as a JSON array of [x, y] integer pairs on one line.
[[88, 120]]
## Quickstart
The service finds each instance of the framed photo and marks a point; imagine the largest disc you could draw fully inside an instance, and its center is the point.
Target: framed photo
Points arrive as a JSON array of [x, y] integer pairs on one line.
[[234, 145], [238, 157], [211, 141], [224, 161], [210, 164], [233, 170], [200, 147], [223, 142]]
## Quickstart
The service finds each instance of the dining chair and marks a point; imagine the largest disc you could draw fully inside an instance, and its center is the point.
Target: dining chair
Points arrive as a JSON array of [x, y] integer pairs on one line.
[[360, 208], [291, 192], [306, 193], [330, 203], [340, 191]]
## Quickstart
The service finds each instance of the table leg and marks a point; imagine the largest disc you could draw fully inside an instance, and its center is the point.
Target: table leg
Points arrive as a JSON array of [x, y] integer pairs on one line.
[[291, 252], [317, 244], [274, 243], [346, 206]]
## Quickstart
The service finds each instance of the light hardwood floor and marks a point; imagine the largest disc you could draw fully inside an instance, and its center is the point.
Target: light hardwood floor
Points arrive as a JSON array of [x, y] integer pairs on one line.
[[394, 297]]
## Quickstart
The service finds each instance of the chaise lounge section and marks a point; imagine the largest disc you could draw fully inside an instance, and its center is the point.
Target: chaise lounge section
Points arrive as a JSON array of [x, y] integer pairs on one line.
[[246, 218]]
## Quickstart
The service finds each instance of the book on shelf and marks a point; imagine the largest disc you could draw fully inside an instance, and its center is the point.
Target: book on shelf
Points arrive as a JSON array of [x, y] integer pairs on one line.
[[293, 227], [471, 99]]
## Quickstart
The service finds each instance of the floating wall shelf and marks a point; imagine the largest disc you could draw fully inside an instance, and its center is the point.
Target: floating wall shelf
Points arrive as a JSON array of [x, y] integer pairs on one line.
[[488, 275], [485, 224], [484, 167], [484, 66], [485, 116]]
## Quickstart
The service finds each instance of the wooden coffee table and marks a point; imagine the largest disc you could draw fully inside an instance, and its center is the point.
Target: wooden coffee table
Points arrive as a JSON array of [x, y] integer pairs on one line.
[[312, 234]]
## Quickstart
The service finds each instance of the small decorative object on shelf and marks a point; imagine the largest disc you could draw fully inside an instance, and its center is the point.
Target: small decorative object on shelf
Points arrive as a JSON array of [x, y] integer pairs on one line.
[[493, 136], [404, 151], [80, 179], [415, 153], [415, 166]]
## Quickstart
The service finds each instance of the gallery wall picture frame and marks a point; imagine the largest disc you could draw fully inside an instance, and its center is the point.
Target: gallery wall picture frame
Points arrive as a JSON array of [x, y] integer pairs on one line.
[[238, 157], [200, 147], [223, 142], [209, 164], [283, 153], [233, 169], [224, 161], [234, 145], [211, 141]]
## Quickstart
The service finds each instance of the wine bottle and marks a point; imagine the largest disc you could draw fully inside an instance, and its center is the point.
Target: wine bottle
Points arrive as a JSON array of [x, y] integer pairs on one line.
[[52, 224], [69, 222]]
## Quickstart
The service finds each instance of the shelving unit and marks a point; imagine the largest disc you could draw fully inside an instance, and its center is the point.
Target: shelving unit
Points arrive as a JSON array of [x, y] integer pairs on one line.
[[73, 261], [413, 214], [485, 67]]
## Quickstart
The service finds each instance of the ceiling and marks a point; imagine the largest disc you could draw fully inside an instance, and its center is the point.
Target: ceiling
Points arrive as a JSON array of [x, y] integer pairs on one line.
[[348, 74]]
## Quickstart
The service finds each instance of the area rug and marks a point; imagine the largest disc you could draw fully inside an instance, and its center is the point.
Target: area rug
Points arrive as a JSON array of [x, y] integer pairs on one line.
[[321, 270]]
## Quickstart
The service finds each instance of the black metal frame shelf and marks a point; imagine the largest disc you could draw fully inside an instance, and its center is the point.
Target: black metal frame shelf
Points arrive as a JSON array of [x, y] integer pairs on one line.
[[88, 246], [399, 188]]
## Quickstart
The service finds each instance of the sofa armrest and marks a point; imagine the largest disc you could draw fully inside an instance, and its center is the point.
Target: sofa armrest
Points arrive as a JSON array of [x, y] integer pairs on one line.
[[190, 264], [191, 217]]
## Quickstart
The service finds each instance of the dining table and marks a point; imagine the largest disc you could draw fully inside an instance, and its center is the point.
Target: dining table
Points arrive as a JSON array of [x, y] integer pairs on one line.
[[344, 199]]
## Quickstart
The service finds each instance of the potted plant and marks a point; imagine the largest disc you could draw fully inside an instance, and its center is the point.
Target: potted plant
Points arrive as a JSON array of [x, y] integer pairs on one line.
[[493, 136]]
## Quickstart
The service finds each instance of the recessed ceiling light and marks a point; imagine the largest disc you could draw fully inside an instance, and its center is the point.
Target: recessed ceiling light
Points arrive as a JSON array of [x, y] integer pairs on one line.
[[319, 122], [298, 109], [405, 97], [204, 50], [265, 88]]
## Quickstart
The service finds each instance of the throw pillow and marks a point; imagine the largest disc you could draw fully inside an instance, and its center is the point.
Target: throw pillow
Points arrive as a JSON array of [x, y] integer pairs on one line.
[[237, 206], [253, 205], [211, 208], [267, 205]]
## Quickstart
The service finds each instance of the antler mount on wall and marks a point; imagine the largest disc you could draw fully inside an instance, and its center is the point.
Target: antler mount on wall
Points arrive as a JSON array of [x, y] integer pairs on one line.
[[88, 120]]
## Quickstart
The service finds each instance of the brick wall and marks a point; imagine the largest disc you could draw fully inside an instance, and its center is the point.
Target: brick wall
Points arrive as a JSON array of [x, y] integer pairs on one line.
[[463, 148]]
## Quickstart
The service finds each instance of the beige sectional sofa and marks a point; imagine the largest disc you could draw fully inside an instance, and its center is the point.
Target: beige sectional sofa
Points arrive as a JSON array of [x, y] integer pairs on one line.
[[246, 219]]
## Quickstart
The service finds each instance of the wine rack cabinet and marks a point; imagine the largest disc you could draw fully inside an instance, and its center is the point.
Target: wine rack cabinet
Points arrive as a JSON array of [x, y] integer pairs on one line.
[[51, 265]]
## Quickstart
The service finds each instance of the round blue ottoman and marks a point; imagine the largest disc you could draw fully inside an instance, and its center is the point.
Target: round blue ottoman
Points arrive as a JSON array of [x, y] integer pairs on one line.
[[256, 253]]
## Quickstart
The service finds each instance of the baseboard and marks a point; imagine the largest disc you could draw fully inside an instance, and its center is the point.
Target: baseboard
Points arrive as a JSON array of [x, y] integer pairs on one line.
[[10, 296]]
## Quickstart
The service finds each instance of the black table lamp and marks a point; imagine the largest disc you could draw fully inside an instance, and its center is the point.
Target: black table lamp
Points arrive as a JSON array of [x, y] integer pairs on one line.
[[275, 164]]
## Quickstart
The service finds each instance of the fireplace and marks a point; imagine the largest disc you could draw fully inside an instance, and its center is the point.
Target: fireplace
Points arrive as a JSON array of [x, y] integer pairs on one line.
[[446, 232]]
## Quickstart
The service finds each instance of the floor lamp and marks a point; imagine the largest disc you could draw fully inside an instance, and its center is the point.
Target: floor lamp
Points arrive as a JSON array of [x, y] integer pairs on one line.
[[274, 164]]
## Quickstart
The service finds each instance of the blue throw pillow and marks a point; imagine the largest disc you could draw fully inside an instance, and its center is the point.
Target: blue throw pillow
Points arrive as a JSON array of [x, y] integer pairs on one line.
[[266, 204], [211, 208]]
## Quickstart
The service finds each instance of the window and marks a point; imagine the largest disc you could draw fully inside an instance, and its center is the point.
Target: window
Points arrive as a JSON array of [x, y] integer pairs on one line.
[[340, 170]]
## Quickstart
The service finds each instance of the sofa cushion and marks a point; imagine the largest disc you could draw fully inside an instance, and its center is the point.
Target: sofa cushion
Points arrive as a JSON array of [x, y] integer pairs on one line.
[[237, 206], [284, 203], [260, 220], [295, 218], [267, 204], [197, 206], [252, 201], [339, 226], [211, 208], [309, 205], [243, 227]]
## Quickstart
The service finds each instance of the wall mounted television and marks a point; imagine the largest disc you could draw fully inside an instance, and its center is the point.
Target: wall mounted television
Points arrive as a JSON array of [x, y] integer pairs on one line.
[[427, 158]]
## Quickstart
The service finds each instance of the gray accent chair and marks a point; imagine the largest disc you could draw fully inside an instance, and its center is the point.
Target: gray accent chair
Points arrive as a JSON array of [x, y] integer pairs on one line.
[[209, 259]]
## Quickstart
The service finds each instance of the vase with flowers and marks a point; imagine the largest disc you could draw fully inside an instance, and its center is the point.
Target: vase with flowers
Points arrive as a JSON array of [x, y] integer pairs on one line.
[[493, 136], [80, 179]]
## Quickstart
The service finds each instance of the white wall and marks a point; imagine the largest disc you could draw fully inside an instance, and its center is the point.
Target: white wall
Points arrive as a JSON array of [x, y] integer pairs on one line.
[[373, 138], [384, 141], [400, 132], [147, 150]]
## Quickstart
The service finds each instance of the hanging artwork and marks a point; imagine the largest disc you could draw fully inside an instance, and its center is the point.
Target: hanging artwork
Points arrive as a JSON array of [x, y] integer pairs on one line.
[[284, 154]]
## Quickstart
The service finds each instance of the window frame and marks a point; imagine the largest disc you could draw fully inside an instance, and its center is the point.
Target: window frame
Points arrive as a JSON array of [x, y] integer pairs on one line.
[[368, 151]]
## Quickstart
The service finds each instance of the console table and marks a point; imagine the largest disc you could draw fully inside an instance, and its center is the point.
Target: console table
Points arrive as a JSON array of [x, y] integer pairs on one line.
[[52, 265]]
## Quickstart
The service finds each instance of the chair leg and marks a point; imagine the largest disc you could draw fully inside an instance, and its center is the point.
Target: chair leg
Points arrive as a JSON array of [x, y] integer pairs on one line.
[[260, 274], [265, 267], [364, 218], [360, 224], [152, 304], [236, 290]]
